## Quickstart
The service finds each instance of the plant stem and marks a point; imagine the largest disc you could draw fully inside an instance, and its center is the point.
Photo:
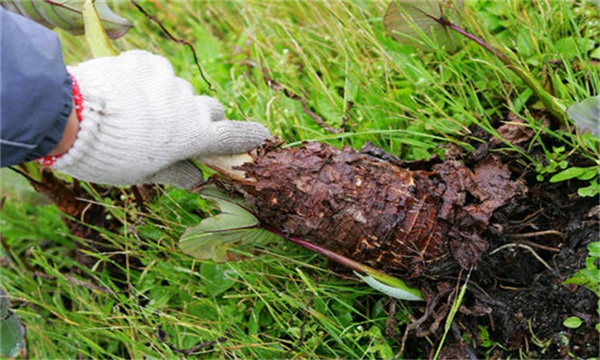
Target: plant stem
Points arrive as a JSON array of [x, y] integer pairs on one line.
[[359, 268], [552, 104]]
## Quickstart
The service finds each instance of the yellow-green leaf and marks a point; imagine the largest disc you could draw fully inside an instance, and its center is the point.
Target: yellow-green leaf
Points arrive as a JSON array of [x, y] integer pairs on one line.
[[572, 322], [67, 15], [94, 32]]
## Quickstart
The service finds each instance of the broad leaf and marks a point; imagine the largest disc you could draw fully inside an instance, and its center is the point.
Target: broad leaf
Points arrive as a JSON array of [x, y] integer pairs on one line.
[[217, 278], [12, 333], [233, 227], [67, 15], [410, 22], [586, 115]]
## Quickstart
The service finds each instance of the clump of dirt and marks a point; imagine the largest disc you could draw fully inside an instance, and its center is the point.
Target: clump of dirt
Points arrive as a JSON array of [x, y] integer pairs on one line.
[[516, 292], [536, 243], [525, 275]]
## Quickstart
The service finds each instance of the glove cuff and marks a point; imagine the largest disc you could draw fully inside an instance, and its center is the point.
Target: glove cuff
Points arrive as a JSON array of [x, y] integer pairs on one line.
[[78, 102], [82, 159]]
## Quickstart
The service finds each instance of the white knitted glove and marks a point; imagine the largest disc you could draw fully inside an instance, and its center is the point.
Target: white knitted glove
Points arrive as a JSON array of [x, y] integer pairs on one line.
[[140, 122]]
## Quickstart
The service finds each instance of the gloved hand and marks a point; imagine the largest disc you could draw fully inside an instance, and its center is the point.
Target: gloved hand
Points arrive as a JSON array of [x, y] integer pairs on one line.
[[140, 123]]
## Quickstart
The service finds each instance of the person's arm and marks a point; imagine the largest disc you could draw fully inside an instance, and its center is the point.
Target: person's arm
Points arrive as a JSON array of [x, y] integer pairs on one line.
[[136, 122], [69, 135], [35, 90]]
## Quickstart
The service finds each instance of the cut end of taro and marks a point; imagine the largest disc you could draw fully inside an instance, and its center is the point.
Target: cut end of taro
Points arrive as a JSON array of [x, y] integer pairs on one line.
[[228, 165]]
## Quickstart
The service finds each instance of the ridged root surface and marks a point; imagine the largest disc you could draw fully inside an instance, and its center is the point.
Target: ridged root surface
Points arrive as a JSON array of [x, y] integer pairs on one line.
[[371, 210]]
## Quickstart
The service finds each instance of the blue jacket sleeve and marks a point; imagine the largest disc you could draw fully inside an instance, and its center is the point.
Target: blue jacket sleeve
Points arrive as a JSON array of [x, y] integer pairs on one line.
[[36, 90]]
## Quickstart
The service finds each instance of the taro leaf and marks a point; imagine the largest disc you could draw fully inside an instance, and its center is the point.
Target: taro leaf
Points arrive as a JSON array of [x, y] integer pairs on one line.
[[408, 21], [12, 333], [66, 14], [586, 115], [234, 226]]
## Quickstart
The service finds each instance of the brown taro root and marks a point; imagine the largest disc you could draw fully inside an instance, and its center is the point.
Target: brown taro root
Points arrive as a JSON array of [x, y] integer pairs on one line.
[[374, 211]]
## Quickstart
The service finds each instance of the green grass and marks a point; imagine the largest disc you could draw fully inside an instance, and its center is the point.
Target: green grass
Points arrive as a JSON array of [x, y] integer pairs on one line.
[[332, 54]]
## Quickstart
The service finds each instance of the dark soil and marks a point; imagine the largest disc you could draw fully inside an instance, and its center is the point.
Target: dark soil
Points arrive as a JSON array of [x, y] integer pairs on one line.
[[529, 300], [513, 294]]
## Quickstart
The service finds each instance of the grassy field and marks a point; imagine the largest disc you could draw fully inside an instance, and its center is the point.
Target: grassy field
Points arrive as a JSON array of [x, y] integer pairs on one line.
[[286, 302]]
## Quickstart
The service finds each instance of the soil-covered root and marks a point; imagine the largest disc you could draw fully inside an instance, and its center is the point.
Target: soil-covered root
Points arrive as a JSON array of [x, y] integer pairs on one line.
[[406, 223]]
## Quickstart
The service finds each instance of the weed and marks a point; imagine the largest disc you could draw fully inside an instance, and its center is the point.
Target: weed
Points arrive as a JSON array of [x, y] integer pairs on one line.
[[588, 278]]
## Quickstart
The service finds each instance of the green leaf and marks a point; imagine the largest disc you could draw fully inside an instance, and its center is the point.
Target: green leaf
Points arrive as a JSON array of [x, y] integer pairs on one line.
[[409, 22], [382, 348], [567, 174], [592, 190], [12, 333], [94, 32], [217, 278], [391, 286], [588, 276], [235, 226], [594, 249], [524, 42], [569, 47], [589, 173], [453, 311], [572, 322], [484, 337], [67, 15], [522, 99]]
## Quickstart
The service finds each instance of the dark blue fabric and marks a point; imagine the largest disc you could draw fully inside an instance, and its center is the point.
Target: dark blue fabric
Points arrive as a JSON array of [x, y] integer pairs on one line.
[[36, 90]]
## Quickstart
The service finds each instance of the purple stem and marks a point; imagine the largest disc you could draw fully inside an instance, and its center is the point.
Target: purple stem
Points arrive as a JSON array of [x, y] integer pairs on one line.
[[340, 259], [64, 6], [442, 21]]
